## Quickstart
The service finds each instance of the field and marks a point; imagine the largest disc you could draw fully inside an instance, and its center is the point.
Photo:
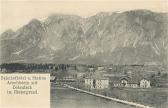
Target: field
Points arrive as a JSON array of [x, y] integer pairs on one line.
[[155, 97]]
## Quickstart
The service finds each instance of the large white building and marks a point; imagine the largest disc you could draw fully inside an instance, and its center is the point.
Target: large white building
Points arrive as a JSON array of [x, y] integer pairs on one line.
[[144, 83], [97, 83]]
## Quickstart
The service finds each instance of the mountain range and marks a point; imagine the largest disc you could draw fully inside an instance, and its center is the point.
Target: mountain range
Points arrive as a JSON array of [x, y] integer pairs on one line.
[[130, 37]]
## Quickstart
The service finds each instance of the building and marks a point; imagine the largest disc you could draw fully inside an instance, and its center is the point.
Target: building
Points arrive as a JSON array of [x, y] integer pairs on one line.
[[100, 68], [144, 83], [80, 75], [91, 69], [96, 83], [130, 82], [120, 81], [70, 78], [115, 82], [119, 75], [133, 82], [133, 85], [125, 82]]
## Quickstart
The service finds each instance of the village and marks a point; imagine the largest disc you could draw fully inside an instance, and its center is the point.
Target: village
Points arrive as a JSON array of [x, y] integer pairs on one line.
[[97, 76], [129, 83], [143, 84], [102, 78]]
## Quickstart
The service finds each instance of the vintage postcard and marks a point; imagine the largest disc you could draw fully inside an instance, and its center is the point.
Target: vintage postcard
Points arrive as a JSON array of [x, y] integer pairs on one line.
[[84, 54]]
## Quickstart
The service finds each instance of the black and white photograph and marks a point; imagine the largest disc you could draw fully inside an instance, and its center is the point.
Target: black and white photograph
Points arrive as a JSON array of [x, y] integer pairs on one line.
[[99, 54]]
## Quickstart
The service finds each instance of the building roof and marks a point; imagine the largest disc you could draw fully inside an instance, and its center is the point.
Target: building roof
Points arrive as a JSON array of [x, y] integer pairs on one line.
[[131, 80], [115, 79]]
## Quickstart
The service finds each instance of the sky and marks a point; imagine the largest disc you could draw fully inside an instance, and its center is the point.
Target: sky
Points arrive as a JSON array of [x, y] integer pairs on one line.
[[16, 13]]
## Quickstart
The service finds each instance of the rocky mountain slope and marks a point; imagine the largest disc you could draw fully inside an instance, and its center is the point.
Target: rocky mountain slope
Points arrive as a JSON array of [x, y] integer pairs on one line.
[[131, 37]]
